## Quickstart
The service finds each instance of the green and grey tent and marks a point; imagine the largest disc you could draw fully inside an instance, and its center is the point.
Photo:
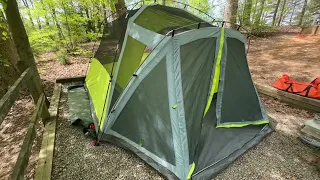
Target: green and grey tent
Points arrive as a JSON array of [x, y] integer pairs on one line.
[[178, 93]]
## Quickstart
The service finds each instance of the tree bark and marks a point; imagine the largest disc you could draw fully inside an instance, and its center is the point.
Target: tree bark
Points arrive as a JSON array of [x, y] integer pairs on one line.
[[120, 7], [230, 13], [275, 13], [282, 11], [247, 12], [257, 19], [8, 50], [23, 47], [303, 12]]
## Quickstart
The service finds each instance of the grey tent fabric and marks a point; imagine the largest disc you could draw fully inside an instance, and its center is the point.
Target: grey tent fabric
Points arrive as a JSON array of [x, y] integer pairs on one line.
[[195, 78], [238, 102], [159, 18], [218, 147], [151, 127], [160, 86]]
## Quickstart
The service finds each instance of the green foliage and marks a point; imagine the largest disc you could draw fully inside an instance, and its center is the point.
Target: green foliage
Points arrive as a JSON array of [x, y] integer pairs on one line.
[[63, 56], [53, 25], [4, 4], [44, 40], [261, 30], [78, 51]]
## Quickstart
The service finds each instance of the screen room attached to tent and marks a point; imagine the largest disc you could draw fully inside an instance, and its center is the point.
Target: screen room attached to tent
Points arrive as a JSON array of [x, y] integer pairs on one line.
[[175, 90]]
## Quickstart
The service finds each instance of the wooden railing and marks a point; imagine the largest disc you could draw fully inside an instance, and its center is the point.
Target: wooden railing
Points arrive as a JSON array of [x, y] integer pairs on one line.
[[41, 111]]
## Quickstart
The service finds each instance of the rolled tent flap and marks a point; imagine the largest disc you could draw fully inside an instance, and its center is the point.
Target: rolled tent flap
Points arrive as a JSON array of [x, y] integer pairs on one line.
[[238, 103]]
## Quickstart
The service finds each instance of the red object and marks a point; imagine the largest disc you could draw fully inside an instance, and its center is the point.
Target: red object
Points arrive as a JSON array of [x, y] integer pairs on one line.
[[92, 126], [311, 90], [300, 36], [95, 143]]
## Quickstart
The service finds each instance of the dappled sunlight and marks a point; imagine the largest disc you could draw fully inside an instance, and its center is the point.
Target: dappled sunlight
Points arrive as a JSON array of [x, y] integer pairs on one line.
[[12, 132]]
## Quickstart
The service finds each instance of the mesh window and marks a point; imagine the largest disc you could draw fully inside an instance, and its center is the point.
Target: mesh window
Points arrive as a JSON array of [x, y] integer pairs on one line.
[[197, 60], [239, 100], [111, 35], [162, 19], [131, 59], [145, 119]]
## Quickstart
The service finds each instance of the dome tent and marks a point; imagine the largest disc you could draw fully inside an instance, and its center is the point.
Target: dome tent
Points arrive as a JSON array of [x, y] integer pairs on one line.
[[182, 100]]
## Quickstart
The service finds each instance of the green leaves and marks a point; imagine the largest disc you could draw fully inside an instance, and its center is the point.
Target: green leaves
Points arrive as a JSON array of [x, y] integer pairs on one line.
[[4, 35], [4, 4]]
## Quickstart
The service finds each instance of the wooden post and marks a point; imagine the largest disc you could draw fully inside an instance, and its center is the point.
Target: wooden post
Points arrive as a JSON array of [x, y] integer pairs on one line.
[[22, 44]]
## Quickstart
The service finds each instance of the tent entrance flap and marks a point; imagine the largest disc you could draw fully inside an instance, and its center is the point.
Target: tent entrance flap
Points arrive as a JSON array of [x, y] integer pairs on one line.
[[238, 102]]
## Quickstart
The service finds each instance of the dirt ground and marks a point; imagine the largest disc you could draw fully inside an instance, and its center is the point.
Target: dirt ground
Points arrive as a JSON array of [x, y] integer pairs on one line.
[[279, 156], [271, 57]]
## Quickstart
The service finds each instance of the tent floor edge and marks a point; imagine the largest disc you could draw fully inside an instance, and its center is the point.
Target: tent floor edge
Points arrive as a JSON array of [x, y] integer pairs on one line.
[[124, 145], [213, 170]]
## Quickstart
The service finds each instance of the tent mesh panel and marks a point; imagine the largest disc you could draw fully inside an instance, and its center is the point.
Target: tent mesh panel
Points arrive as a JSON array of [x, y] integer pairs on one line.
[[197, 60], [239, 100], [145, 119]]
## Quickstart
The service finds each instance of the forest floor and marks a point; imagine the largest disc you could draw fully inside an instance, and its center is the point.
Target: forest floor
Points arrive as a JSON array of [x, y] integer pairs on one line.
[[279, 156]]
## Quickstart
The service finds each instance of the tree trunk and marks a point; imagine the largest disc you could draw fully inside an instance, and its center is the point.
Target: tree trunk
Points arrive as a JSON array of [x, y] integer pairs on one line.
[[257, 18], [90, 24], [254, 9], [24, 50], [68, 27], [282, 11], [303, 12], [54, 16], [293, 11], [275, 13], [28, 12], [8, 51], [247, 12], [230, 13], [163, 2], [120, 7], [45, 16]]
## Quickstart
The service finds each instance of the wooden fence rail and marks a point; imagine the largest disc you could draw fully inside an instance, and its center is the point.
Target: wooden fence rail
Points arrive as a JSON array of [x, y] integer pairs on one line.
[[10, 97], [6, 102]]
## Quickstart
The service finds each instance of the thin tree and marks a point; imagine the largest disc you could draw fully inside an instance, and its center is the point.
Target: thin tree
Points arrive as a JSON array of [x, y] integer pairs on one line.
[[275, 13], [26, 4], [247, 12], [258, 16], [67, 26], [303, 12], [230, 12], [282, 12]]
